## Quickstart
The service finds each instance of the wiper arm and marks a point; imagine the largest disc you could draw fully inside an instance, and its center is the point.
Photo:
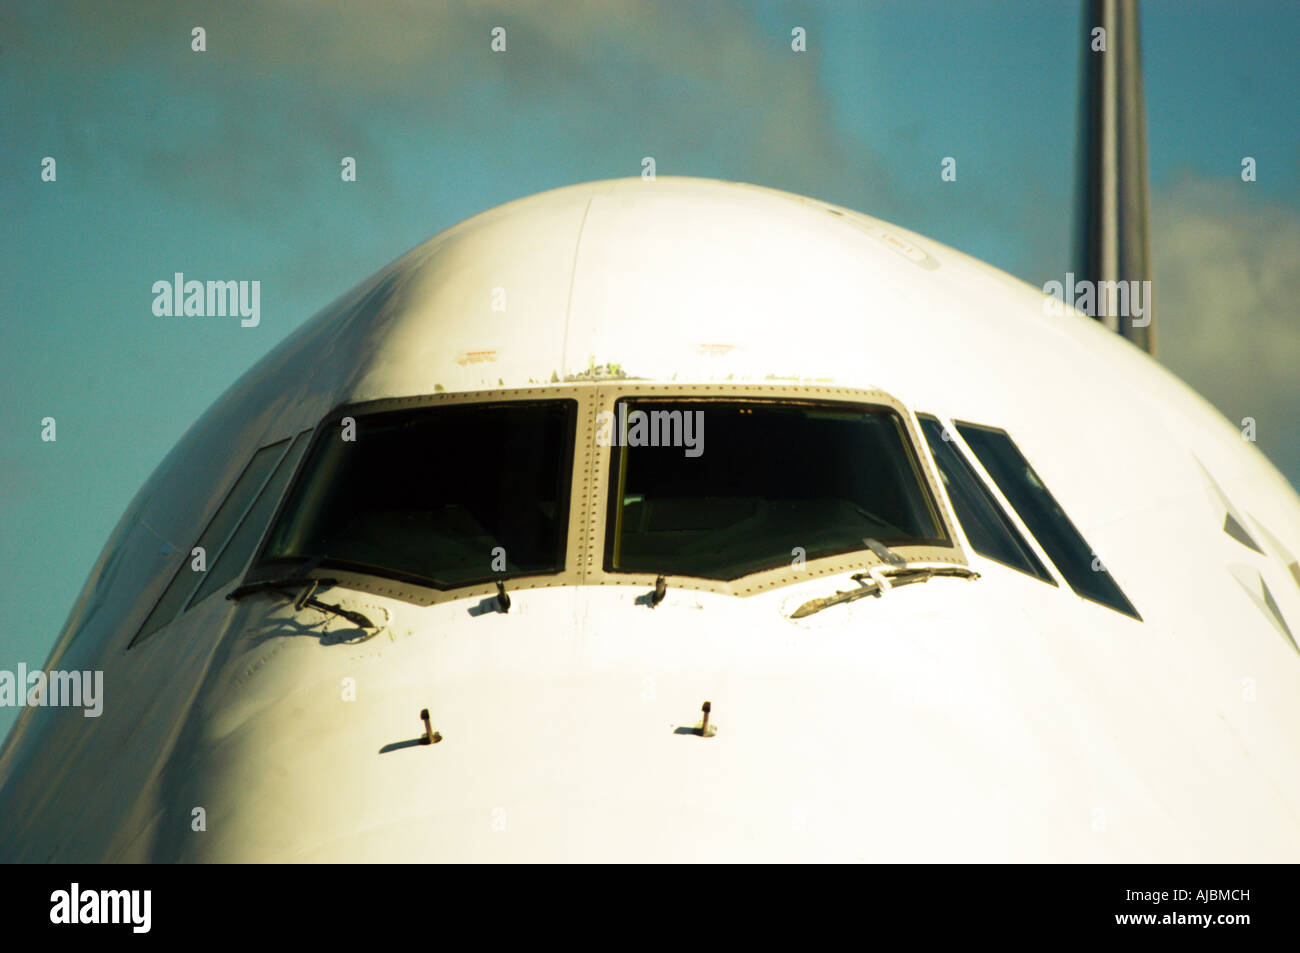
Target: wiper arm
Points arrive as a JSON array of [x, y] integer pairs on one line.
[[909, 574], [306, 597], [296, 578], [817, 605], [892, 576], [288, 582]]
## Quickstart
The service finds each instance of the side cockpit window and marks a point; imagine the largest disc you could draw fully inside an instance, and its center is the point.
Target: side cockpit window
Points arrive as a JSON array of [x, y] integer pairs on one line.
[[242, 509], [234, 556], [990, 531], [1044, 517]]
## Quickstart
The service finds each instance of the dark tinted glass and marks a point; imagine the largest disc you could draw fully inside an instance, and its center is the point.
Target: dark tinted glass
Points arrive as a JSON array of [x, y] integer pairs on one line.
[[213, 538], [990, 531], [235, 555], [1043, 516], [435, 495], [765, 478]]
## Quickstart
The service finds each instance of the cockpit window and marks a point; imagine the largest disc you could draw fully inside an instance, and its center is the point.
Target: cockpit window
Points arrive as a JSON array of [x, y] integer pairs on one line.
[[719, 489], [440, 496], [230, 563], [1043, 517], [212, 539], [990, 531]]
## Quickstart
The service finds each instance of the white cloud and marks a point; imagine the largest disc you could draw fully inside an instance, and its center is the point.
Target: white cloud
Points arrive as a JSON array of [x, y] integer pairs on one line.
[[1226, 264]]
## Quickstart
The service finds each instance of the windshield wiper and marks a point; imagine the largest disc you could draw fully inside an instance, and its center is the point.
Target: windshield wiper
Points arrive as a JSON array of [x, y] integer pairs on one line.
[[296, 578], [307, 595], [886, 579], [909, 574], [817, 605]]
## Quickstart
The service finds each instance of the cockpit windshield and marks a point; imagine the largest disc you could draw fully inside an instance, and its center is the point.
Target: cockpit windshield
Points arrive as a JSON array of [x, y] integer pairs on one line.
[[440, 496], [759, 484]]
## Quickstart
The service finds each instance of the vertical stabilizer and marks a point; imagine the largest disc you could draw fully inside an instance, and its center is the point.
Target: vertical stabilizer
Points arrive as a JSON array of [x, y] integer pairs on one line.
[[1113, 214]]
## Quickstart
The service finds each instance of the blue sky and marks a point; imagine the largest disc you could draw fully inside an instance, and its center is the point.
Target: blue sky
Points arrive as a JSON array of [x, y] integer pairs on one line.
[[226, 164]]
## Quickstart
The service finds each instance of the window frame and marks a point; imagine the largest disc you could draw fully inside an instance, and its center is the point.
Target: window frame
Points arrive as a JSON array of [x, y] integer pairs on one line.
[[259, 569], [589, 479], [408, 589], [617, 454], [608, 394]]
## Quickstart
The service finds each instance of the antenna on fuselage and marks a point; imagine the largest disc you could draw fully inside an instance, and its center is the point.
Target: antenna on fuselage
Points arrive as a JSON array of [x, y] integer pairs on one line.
[[1113, 214]]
